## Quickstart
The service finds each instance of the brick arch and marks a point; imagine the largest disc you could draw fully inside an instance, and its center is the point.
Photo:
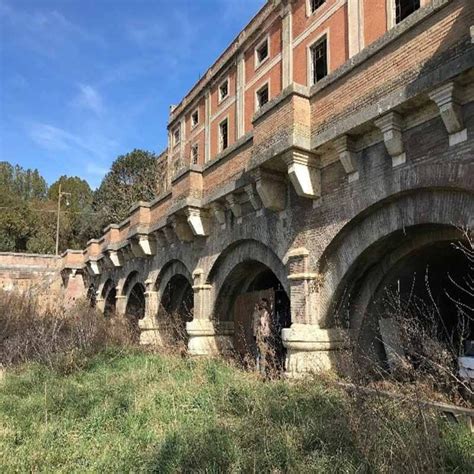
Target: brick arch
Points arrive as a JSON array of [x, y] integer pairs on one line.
[[388, 230], [104, 290], [242, 251], [171, 269]]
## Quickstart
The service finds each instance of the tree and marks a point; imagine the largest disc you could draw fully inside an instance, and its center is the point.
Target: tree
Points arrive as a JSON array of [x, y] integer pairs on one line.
[[133, 177]]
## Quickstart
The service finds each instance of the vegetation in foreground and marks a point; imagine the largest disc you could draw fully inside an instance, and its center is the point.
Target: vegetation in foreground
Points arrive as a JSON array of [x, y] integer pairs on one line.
[[128, 410]]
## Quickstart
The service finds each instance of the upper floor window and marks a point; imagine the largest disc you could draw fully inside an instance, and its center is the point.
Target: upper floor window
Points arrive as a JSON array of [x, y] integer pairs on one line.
[[223, 135], [224, 90], [176, 135], [262, 96], [403, 8], [195, 154], [195, 118], [262, 52], [319, 60], [315, 4]]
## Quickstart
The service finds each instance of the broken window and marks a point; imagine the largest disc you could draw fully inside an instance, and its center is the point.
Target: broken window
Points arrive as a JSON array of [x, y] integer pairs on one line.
[[195, 118], [261, 52], [195, 154], [315, 4], [262, 96], [224, 90], [403, 8], [224, 135], [319, 59], [176, 136]]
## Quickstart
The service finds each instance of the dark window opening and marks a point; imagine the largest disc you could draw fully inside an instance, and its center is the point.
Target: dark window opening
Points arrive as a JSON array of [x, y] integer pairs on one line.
[[224, 90], [404, 8], [319, 59], [195, 154], [224, 135], [262, 52], [262, 96], [195, 118], [315, 4]]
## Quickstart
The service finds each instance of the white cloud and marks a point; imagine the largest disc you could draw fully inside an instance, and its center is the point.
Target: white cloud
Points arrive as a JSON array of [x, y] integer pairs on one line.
[[89, 99]]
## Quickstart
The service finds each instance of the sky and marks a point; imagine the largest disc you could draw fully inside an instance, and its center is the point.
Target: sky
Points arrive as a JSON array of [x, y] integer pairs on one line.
[[84, 81]]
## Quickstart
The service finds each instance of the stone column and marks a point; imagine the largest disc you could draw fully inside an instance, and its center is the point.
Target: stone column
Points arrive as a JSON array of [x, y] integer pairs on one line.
[[100, 303], [310, 348], [287, 45], [149, 329], [205, 339]]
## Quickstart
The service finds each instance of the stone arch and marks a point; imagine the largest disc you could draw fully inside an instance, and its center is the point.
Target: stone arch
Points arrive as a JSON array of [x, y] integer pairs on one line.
[[175, 302], [109, 296], [397, 232], [247, 279]]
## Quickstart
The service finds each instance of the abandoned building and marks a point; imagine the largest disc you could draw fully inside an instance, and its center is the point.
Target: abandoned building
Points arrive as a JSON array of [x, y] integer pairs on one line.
[[326, 155]]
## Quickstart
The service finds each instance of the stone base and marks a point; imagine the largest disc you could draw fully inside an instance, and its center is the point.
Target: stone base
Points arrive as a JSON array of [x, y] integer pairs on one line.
[[204, 340], [311, 349]]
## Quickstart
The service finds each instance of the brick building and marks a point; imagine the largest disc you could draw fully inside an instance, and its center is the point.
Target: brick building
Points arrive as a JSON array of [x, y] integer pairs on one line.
[[325, 156]]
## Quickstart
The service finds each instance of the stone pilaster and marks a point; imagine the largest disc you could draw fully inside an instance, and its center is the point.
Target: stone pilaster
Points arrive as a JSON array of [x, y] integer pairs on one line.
[[287, 44], [149, 330], [310, 349], [355, 19], [205, 339], [207, 126], [240, 99], [120, 304]]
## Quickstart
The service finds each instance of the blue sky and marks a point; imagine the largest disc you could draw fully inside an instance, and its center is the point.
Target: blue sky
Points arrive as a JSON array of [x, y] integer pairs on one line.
[[83, 81]]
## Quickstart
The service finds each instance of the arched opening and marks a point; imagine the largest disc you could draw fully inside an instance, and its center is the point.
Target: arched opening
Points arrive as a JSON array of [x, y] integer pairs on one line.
[[109, 293], [253, 300], [135, 309], [176, 309], [91, 296], [409, 301]]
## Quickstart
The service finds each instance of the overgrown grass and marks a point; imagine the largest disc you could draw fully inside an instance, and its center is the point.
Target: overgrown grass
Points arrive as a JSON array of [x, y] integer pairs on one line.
[[132, 411]]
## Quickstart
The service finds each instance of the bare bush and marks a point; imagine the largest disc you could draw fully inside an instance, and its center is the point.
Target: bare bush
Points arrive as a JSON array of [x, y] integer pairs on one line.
[[54, 336]]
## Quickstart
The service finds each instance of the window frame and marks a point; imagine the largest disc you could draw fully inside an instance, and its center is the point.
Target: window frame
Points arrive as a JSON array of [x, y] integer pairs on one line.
[[391, 6], [194, 146], [220, 136], [257, 91], [220, 97], [309, 55], [176, 131], [266, 40], [310, 11], [194, 124]]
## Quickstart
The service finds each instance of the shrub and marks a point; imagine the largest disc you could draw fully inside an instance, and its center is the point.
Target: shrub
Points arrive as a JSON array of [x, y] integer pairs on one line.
[[56, 336]]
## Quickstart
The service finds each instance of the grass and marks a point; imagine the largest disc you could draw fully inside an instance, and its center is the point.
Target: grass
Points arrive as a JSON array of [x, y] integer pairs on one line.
[[131, 411]]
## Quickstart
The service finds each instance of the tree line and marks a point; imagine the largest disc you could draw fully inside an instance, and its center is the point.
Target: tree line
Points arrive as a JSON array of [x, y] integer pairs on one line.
[[28, 206]]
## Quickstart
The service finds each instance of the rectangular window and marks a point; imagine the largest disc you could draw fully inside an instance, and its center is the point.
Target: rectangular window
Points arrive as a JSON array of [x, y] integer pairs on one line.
[[224, 135], [195, 118], [403, 8], [223, 90], [195, 154], [315, 4], [176, 136], [261, 52], [262, 96], [319, 60]]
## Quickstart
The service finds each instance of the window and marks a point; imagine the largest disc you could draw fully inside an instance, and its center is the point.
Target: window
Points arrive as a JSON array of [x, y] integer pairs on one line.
[[224, 135], [261, 52], [223, 90], [195, 154], [176, 136], [319, 60], [315, 4], [403, 8], [195, 118], [262, 96]]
